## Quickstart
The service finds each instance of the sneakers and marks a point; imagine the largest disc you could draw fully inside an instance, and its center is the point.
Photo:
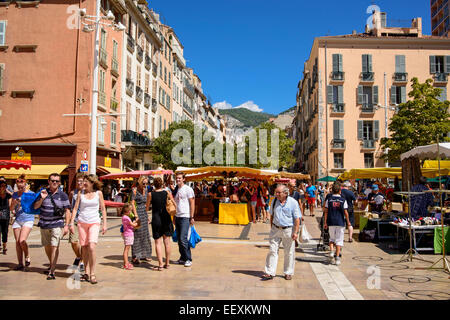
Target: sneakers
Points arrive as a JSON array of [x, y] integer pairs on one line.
[[331, 257], [180, 261], [76, 262], [338, 261], [188, 263]]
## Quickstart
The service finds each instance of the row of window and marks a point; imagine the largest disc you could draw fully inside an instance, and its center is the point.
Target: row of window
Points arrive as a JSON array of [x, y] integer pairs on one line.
[[101, 131], [367, 130], [339, 160], [164, 98]]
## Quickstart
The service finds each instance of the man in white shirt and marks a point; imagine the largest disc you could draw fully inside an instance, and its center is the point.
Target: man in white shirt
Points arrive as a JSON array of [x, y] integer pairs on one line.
[[184, 218]]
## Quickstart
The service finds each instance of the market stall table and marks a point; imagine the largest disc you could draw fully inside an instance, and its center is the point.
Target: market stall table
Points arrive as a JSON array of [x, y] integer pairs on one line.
[[417, 230], [233, 213]]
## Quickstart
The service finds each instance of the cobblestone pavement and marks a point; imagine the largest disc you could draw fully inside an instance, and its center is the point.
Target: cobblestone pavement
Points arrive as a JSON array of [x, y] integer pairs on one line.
[[228, 264]]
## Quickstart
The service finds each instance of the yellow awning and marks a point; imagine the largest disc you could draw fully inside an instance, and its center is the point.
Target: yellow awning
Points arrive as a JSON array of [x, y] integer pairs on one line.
[[110, 170], [374, 173], [433, 164], [38, 171]]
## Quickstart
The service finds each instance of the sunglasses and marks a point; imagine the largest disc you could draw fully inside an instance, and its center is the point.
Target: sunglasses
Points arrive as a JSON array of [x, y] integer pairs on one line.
[[20, 181], [54, 181]]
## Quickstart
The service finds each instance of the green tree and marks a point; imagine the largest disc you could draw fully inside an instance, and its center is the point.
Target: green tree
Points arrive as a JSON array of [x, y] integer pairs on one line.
[[418, 122]]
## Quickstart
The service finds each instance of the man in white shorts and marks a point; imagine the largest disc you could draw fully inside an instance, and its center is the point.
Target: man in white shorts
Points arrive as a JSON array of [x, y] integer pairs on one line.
[[335, 216]]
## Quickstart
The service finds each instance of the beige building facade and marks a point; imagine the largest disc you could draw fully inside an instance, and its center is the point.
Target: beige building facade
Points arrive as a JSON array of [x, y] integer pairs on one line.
[[350, 88]]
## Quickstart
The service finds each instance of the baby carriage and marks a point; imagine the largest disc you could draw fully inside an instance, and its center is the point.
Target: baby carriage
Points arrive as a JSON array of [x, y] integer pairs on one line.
[[324, 240]]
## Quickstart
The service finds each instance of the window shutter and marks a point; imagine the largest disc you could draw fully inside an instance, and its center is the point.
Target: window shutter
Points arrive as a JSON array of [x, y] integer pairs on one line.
[[336, 129], [360, 130], [330, 94], [400, 64], [403, 64], [393, 95], [1, 77], [403, 94], [369, 62], [341, 129], [447, 64], [2, 32], [340, 94], [375, 95], [360, 94], [376, 130], [340, 63], [335, 62], [364, 63], [432, 64]]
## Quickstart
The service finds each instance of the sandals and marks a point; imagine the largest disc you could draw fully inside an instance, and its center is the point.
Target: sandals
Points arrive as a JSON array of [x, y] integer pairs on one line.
[[84, 278], [51, 276], [159, 268], [19, 267], [4, 251], [93, 279], [27, 261], [166, 266], [128, 266], [266, 277], [350, 240], [136, 261]]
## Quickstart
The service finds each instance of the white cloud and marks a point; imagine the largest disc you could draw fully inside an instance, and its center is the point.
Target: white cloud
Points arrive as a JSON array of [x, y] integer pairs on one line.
[[250, 105]]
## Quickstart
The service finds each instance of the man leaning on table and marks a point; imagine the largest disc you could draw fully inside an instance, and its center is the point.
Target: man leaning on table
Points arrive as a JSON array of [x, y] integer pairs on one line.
[[285, 217]]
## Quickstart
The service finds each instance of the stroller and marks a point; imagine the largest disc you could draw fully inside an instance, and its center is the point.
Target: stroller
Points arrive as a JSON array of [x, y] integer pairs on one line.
[[324, 240]]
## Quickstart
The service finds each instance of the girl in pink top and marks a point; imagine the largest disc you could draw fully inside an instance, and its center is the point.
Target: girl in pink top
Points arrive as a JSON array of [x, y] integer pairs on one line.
[[128, 235]]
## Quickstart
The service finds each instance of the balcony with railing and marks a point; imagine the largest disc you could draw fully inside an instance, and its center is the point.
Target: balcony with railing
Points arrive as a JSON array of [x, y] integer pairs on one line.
[[154, 69], [139, 53], [337, 76], [147, 100], [338, 144], [135, 138], [187, 108], [338, 108], [154, 105], [114, 67], [130, 87], [367, 76], [114, 104], [400, 77], [440, 78], [368, 144], [139, 94], [148, 62], [189, 88], [367, 108], [103, 58], [130, 44]]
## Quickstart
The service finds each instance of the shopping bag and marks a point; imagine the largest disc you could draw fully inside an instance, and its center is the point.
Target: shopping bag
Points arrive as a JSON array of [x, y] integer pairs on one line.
[[174, 236], [194, 238], [304, 234], [27, 202]]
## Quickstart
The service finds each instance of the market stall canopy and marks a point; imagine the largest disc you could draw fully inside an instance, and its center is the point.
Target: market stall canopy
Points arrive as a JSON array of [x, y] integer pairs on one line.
[[14, 164], [37, 171], [373, 173], [113, 204], [290, 175], [237, 171], [135, 174], [429, 152], [445, 164], [327, 179]]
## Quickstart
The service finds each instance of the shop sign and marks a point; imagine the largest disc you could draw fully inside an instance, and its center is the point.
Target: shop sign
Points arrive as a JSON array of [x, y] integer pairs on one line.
[[108, 162], [20, 155]]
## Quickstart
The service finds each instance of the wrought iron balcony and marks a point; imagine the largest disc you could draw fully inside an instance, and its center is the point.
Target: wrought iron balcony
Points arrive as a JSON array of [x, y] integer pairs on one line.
[[154, 105], [367, 108], [154, 69], [148, 62], [338, 108], [114, 104], [338, 144], [103, 57], [139, 53], [337, 76], [368, 144], [130, 44], [147, 99], [139, 94], [187, 108], [130, 87], [135, 138], [440, 78], [400, 77], [189, 88], [115, 67], [367, 76]]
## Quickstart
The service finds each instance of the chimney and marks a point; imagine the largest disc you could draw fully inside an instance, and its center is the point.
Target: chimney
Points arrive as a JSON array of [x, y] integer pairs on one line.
[[354, 32]]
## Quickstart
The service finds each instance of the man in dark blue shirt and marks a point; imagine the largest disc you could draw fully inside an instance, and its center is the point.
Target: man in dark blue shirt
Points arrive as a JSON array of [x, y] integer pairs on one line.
[[420, 202], [349, 196]]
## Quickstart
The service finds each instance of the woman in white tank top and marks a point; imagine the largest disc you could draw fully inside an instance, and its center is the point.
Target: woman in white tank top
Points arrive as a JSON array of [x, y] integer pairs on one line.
[[90, 203]]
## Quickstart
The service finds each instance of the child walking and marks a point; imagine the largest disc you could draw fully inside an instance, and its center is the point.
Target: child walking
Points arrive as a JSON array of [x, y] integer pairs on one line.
[[127, 235], [335, 215]]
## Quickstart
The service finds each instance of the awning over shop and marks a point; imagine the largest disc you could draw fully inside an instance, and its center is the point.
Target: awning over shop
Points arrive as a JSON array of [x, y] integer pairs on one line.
[[289, 175], [109, 170], [196, 174], [135, 174], [37, 171], [373, 173]]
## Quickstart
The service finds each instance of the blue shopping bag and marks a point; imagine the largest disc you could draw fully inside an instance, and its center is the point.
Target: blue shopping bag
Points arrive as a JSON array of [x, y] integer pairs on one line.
[[194, 238], [27, 202]]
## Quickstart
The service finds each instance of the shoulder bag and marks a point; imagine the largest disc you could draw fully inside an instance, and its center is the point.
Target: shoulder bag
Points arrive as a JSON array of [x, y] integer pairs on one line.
[[170, 206]]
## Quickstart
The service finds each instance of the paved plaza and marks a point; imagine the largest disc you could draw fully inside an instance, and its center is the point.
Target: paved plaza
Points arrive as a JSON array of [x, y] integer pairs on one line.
[[227, 265]]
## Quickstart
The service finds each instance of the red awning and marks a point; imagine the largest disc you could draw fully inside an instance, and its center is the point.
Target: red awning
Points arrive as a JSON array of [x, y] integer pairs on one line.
[[135, 174], [113, 204], [15, 164]]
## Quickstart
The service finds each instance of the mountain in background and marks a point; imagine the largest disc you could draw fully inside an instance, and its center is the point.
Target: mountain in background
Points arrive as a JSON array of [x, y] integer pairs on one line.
[[244, 118]]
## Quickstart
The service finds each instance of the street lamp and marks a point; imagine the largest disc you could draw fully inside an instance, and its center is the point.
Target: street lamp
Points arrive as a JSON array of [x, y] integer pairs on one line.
[[89, 24]]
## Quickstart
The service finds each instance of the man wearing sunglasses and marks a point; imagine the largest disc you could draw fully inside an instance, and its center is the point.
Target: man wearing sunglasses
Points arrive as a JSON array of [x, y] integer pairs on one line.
[[51, 201]]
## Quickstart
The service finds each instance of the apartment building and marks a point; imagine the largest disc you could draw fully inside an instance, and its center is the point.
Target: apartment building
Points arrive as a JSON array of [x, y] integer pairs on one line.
[[165, 79], [139, 84], [46, 65], [199, 103], [440, 17], [350, 87], [178, 64], [189, 94]]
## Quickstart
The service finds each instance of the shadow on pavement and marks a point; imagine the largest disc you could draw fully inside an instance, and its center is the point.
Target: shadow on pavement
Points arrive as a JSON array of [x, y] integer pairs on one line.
[[252, 273]]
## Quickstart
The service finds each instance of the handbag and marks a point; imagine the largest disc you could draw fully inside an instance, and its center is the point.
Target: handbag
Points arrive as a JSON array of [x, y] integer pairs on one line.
[[57, 211], [170, 207]]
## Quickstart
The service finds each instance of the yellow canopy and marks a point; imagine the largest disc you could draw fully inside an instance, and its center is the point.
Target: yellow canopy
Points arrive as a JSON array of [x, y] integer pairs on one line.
[[37, 171], [373, 173], [289, 175], [445, 164]]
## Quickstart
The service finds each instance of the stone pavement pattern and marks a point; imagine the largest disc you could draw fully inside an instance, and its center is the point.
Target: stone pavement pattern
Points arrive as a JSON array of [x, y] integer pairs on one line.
[[227, 264]]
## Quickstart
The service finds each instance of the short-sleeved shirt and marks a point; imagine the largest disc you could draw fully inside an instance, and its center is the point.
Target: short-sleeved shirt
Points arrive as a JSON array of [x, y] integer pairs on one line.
[[379, 201], [336, 206], [47, 218], [285, 215], [182, 200], [311, 191], [349, 196], [127, 227], [21, 216], [295, 195]]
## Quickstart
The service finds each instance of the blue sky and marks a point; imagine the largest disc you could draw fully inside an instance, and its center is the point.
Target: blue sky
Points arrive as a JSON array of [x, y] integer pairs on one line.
[[251, 52]]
